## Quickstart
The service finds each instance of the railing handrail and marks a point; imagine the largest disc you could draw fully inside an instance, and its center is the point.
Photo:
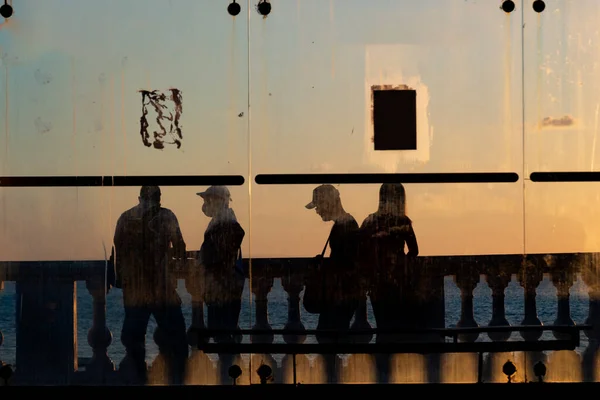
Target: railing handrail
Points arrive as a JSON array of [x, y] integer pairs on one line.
[[78, 270], [192, 255], [410, 347], [448, 332]]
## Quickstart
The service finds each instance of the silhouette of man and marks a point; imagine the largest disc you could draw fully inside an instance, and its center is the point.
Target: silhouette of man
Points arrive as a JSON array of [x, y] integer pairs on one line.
[[339, 270], [147, 236], [219, 258]]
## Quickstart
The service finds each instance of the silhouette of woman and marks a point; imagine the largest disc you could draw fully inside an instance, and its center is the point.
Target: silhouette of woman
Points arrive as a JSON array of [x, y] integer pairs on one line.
[[386, 268]]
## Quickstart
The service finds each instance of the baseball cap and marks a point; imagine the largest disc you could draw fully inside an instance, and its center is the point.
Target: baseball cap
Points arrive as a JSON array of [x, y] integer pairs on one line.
[[150, 192], [220, 192], [323, 194]]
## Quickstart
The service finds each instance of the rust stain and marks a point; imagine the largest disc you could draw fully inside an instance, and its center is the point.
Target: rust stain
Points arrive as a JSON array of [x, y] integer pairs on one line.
[[167, 120], [563, 121]]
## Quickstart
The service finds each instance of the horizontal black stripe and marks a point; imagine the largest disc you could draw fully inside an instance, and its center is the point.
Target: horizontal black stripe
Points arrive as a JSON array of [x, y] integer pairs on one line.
[[452, 177], [78, 181], [565, 176]]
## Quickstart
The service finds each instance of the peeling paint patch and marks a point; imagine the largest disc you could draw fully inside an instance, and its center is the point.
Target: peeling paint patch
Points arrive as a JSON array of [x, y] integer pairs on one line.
[[397, 66], [165, 108]]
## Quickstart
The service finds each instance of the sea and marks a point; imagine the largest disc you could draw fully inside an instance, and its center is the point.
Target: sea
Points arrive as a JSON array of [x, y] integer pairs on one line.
[[278, 309]]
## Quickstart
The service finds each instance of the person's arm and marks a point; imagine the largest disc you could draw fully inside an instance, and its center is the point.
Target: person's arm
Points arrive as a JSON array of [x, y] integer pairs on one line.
[[236, 236], [365, 243], [118, 245], [411, 242], [177, 241], [348, 244]]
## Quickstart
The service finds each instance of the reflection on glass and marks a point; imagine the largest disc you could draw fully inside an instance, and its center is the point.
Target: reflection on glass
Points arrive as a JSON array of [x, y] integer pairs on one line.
[[185, 88]]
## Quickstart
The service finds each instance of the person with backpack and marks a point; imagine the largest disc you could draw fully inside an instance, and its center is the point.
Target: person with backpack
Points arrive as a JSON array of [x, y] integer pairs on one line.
[[220, 262], [332, 286]]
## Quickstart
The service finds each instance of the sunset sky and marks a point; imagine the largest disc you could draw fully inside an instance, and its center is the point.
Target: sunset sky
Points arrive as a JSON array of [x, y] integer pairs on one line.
[[70, 75]]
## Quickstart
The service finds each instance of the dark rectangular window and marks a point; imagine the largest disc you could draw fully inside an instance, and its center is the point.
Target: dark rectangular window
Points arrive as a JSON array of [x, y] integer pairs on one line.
[[395, 119]]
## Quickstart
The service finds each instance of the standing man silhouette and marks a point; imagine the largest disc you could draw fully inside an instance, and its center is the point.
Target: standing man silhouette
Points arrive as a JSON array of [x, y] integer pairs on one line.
[[147, 237]]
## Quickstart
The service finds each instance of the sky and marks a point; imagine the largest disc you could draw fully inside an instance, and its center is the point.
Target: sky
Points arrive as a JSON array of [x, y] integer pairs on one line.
[[494, 93]]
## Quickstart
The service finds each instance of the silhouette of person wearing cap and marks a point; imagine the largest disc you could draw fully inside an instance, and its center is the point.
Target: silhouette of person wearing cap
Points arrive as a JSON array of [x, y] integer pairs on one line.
[[219, 258], [338, 272], [384, 263], [147, 237]]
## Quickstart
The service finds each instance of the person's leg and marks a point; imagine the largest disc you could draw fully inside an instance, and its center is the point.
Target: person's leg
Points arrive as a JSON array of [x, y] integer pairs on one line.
[[378, 303], [326, 323], [220, 321], [385, 310], [229, 312], [133, 337], [211, 320], [377, 312], [237, 307], [343, 316], [233, 318], [169, 319]]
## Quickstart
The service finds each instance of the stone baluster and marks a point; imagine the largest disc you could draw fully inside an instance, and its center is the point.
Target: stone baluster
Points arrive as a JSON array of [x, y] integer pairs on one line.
[[158, 373], [201, 369], [498, 279], [563, 365], [591, 277], [169, 366], [431, 290], [262, 284], [99, 335], [292, 284], [193, 285], [467, 281], [562, 278], [294, 368], [530, 277]]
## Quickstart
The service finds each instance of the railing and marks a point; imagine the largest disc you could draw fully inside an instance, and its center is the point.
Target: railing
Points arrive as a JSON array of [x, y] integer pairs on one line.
[[47, 308]]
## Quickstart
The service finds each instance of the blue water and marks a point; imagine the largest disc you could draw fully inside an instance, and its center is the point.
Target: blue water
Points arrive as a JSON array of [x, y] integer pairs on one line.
[[546, 302]]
